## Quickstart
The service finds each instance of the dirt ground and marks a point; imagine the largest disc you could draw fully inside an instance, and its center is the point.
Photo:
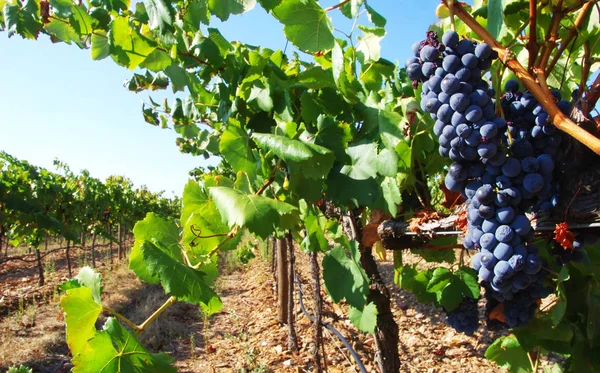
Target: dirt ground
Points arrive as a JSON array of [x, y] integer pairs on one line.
[[244, 337]]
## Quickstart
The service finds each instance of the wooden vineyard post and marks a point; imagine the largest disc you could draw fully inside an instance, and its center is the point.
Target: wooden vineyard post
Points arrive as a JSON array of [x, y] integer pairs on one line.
[[292, 339], [282, 281], [93, 250], [120, 236], [68, 258], [110, 243], [38, 258]]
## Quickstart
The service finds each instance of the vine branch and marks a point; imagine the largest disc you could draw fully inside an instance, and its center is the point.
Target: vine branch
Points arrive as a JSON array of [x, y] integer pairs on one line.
[[573, 31], [543, 95], [532, 45], [122, 318], [551, 37], [270, 180], [156, 313]]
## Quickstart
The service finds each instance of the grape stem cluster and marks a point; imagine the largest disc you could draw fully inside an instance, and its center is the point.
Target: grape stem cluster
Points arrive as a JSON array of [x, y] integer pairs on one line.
[[541, 93]]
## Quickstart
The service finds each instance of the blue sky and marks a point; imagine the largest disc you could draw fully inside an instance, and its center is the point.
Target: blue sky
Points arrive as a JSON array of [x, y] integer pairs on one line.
[[56, 102]]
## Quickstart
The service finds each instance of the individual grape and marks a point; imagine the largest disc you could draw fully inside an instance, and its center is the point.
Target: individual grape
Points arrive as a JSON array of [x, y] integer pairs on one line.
[[488, 260], [503, 251], [465, 46], [487, 211], [479, 97], [483, 51], [503, 270], [484, 273], [428, 69], [429, 54], [451, 64], [533, 264], [489, 226], [469, 60], [458, 118], [434, 84], [438, 127], [487, 150], [504, 233], [458, 171], [565, 107], [466, 88], [485, 194], [511, 86], [503, 182], [533, 183], [473, 139], [487, 241], [516, 261], [444, 113], [415, 48], [473, 113], [471, 188], [450, 84], [463, 130], [463, 74], [505, 215], [521, 225], [512, 167], [414, 71], [529, 164], [452, 184], [546, 164], [450, 39], [459, 102]]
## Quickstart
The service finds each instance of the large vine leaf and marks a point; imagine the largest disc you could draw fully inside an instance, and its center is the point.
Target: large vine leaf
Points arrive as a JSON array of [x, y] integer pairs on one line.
[[116, 349], [508, 353], [365, 319], [260, 215], [344, 278], [306, 24], [128, 47], [363, 162], [177, 278], [235, 148], [160, 231], [313, 161], [81, 313], [224, 8], [160, 15], [369, 47]]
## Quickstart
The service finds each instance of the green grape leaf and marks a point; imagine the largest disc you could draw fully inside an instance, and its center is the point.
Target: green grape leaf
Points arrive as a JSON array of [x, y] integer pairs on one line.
[[441, 277], [116, 349], [81, 312], [344, 278], [159, 230], [391, 194], [312, 161], [508, 353], [22, 20], [176, 278], [160, 15], [269, 4], [89, 278], [369, 46], [375, 18], [197, 13], [260, 215], [306, 25], [62, 31], [100, 47], [451, 295], [344, 190], [363, 162], [128, 47], [224, 8], [469, 280], [495, 18], [334, 135], [260, 96], [316, 78], [157, 61], [62, 8], [365, 319], [235, 148], [387, 163]]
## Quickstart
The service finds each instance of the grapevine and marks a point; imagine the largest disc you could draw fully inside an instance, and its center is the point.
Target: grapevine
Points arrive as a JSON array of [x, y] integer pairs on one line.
[[336, 148]]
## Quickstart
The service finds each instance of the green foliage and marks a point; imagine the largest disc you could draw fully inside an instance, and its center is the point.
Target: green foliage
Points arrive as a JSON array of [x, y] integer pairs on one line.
[[342, 126], [19, 369]]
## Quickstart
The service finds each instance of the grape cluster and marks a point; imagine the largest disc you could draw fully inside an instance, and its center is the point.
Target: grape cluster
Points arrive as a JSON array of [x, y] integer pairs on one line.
[[502, 166], [464, 318]]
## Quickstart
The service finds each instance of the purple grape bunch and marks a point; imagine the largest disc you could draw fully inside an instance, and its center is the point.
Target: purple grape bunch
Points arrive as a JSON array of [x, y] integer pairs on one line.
[[503, 166]]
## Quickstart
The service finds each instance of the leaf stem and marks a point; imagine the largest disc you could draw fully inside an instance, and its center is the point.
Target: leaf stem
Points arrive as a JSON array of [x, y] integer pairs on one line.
[[336, 6], [545, 98], [121, 317], [156, 313], [271, 179], [573, 31], [551, 37]]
